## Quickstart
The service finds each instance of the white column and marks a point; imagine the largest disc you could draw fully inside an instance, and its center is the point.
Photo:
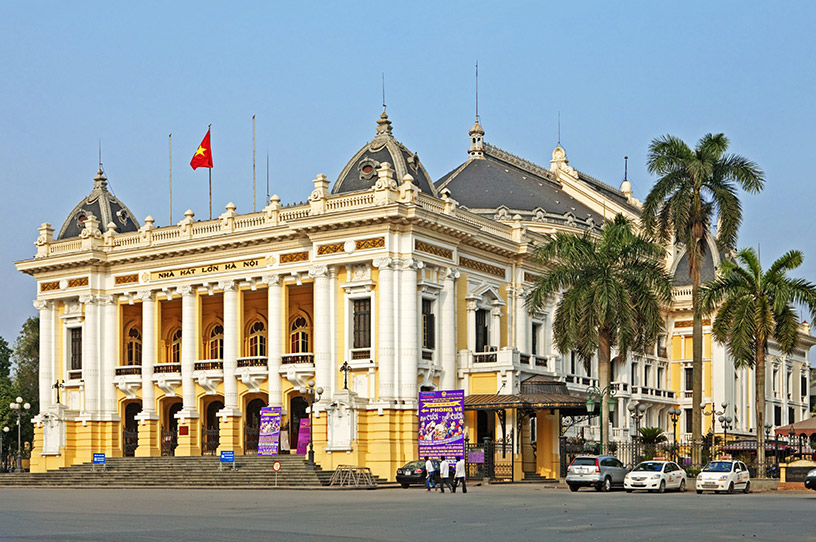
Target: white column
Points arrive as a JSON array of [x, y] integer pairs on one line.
[[231, 323], [385, 325], [46, 309], [90, 355], [274, 337], [108, 359], [188, 350], [409, 324], [149, 352], [471, 324], [495, 326], [523, 325], [322, 329], [447, 329]]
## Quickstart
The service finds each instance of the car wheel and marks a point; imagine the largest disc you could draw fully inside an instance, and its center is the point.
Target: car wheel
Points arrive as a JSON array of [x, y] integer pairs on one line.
[[628, 490], [699, 492], [731, 488], [573, 487], [607, 484], [662, 487], [747, 487], [682, 488], [405, 486]]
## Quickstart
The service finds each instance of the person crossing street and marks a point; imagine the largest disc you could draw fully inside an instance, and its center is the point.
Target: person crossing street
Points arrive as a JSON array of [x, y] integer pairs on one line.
[[459, 476], [429, 474], [444, 475]]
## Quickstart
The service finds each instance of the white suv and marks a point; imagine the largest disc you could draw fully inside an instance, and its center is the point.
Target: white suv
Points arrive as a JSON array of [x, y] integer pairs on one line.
[[724, 475]]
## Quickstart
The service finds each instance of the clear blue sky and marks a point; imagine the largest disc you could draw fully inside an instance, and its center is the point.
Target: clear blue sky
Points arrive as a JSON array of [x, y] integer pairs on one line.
[[620, 73]]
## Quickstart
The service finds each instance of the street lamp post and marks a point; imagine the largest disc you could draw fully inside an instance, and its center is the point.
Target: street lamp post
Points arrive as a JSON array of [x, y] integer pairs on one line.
[[714, 412], [725, 421], [674, 414], [767, 438], [2, 457], [791, 436], [314, 395], [594, 391], [636, 411], [18, 407]]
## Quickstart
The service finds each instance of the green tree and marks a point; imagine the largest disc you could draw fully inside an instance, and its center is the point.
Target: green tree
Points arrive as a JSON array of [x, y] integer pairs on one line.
[[753, 307], [25, 381], [613, 286], [652, 435], [695, 188]]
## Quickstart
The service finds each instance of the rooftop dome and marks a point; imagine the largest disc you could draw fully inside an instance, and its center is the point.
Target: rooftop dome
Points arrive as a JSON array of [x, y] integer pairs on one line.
[[104, 206], [361, 171]]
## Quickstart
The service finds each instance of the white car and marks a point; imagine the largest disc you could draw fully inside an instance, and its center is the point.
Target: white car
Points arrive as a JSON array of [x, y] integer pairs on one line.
[[724, 475], [656, 476]]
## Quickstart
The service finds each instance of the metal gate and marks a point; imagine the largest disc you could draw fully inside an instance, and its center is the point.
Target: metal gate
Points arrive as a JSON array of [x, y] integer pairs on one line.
[[209, 440], [491, 461], [130, 440], [251, 433]]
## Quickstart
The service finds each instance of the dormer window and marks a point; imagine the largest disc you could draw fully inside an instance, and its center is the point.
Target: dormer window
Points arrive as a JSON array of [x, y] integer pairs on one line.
[[368, 169]]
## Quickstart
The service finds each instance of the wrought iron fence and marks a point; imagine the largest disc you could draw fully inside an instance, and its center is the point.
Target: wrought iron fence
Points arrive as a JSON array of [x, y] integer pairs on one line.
[[209, 440], [130, 441], [490, 460], [169, 441], [251, 436]]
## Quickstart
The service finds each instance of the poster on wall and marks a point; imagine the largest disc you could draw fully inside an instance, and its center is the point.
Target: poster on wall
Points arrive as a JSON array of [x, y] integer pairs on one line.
[[442, 423], [269, 431], [303, 436]]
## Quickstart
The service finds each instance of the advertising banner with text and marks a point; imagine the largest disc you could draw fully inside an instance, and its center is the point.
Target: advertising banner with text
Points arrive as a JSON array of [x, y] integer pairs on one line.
[[303, 435], [442, 423], [269, 431]]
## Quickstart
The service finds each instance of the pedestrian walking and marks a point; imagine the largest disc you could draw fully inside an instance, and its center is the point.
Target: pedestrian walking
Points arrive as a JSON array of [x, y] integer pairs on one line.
[[459, 475], [429, 474], [444, 475]]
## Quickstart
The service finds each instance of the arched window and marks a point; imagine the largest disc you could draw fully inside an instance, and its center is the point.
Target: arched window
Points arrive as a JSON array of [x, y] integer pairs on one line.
[[215, 342], [175, 347], [133, 347], [256, 339], [299, 335]]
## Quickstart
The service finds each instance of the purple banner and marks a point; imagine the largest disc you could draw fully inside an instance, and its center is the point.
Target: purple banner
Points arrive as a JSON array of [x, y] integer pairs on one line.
[[270, 429], [303, 436], [442, 423]]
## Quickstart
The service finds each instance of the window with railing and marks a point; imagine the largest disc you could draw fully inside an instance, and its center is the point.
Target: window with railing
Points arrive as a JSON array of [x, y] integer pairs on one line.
[[481, 330], [133, 347], [256, 340], [175, 347], [774, 383], [689, 417], [791, 415], [688, 378], [535, 336], [299, 332], [803, 389], [215, 342]]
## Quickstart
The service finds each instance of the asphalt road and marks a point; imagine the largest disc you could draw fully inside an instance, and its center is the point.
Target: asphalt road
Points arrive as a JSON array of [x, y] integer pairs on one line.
[[496, 513]]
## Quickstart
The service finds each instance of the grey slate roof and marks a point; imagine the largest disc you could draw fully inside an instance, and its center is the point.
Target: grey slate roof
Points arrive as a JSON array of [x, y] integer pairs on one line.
[[104, 206], [708, 270], [608, 191], [494, 182]]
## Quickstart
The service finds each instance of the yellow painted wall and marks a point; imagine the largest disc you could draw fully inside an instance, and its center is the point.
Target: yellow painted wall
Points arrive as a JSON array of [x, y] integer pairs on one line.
[[482, 383], [677, 347], [461, 312]]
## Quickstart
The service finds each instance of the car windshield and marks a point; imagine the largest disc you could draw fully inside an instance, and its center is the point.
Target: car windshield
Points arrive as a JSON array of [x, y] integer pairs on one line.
[[584, 461], [414, 465], [650, 467], [718, 466]]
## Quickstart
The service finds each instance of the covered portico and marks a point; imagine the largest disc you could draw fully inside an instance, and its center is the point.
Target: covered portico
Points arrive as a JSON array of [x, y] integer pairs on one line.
[[519, 434]]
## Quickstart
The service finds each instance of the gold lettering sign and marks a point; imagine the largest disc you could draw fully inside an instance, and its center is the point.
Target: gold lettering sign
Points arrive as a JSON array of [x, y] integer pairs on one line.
[[198, 270]]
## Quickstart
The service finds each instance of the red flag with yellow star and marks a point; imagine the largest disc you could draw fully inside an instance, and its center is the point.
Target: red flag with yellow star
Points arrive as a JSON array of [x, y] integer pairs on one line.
[[203, 155]]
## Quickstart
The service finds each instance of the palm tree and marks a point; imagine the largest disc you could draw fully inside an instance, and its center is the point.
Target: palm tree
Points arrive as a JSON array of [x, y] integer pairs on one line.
[[652, 435], [613, 286], [694, 187], [753, 307]]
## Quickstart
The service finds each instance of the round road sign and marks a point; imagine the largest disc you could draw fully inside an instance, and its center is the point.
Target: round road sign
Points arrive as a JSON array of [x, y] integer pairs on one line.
[[276, 466]]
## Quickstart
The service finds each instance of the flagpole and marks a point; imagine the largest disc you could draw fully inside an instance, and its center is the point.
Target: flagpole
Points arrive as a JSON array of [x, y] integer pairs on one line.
[[170, 167], [209, 131], [253, 163], [267, 180]]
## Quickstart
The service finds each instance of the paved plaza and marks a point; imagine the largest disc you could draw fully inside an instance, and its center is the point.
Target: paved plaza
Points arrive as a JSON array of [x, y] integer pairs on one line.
[[500, 512]]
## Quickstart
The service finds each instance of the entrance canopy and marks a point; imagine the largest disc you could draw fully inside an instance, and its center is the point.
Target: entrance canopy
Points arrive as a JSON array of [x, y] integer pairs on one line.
[[804, 427], [537, 393]]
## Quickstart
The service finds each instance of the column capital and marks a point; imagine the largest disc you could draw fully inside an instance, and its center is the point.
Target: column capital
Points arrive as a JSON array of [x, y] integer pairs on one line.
[[410, 264], [87, 299], [451, 273], [41, 304], [146, 295], [386, 262], [273, 279], [228, 285], [106, 300], [472, 304], [186, 290], [319, 271]]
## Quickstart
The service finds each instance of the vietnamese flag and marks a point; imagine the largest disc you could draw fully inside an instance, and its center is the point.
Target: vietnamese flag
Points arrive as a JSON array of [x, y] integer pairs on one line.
[[203, 155]]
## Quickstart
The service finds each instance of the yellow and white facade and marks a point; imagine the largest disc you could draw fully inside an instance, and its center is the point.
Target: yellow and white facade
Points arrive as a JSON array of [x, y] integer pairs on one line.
[[169, 339]]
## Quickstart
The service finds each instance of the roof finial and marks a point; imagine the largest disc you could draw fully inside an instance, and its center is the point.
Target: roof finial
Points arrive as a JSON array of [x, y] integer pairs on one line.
[[477, 91], [625, 168], [100, 154], [383, 89], [626, 186], [559, 128]]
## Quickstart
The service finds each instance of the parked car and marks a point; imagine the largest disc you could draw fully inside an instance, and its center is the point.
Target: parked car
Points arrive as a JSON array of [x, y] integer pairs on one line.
[[413, 472], [724, 475], [603, 472], [656, 476], [810, 480]]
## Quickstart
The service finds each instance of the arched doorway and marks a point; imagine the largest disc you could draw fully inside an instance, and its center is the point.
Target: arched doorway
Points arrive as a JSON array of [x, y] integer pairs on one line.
[[252, 425], [130, 429], [297, 411], [169, 436], [210, 434]]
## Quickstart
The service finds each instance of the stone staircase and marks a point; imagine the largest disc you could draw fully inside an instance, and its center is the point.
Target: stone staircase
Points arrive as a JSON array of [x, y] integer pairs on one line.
[[250, 471], [533, 477]]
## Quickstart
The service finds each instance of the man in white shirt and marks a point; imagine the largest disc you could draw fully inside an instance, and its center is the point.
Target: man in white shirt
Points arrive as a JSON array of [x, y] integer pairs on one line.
[[444, 475], [459, 475], [429, 473]]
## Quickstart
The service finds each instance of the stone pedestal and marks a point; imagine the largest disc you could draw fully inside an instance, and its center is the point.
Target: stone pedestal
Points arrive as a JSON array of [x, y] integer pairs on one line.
[[149, 438], [189, 444], [229, 435]]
